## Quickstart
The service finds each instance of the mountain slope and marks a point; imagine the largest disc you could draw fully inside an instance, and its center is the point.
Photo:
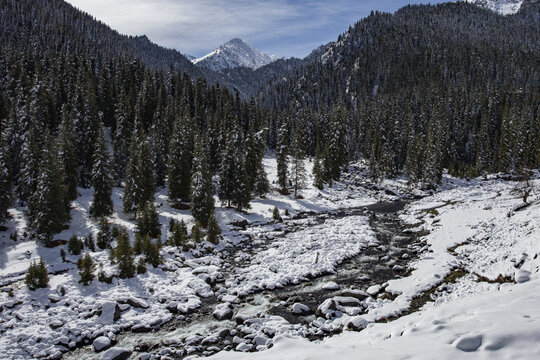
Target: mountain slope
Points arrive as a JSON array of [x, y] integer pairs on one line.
[[233, 54], [503, 7]]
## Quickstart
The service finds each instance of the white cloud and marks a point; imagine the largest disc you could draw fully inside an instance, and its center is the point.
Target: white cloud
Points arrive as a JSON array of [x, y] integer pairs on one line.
[[279, 27]]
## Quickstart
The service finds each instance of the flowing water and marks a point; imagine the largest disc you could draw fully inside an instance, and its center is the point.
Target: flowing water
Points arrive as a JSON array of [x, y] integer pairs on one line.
[[201, 333]]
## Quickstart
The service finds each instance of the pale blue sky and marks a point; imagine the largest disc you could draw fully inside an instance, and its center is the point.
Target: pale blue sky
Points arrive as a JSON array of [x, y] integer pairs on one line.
[[279, 27]]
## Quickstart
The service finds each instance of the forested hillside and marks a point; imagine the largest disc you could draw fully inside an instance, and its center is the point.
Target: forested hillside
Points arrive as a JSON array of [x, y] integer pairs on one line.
[[429, 87]]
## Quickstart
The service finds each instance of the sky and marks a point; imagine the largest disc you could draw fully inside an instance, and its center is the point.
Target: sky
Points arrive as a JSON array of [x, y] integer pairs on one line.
[[283, 28]]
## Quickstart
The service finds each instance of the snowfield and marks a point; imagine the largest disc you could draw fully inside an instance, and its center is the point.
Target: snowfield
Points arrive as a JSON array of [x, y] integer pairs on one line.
[[474, 279], [475, 228]]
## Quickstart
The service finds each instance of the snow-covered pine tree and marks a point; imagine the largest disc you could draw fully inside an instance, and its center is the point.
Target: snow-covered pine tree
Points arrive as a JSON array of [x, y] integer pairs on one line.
[[86, 127], [336, 146], [318, 179], [282, 148], [180, 159], [46, 209], [158, 137], [122, 134], [232, 175], [5, 181], [257, 181], [31, 157], [102, 179], [148, 221], [202, 189], [298, 168], [68, 153], [139, 185]]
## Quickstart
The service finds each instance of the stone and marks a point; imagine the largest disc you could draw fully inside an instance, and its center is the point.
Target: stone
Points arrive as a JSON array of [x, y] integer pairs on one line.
[[110, 312], [55, 324], [116, 353], [373, 290], [357, 323], [347, 301], [223, 312], [331, 285], [101, 343], [138, 303], [298, 308], [141, 328]]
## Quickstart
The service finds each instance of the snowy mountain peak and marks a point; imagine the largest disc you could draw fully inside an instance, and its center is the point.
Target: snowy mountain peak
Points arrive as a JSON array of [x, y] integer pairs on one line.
[[234, 53], [503, 7]]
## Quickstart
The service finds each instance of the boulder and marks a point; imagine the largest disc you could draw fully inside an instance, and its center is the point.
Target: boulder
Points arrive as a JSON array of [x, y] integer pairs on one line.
[[223, 312], [101, 343], [331, 285], [110, 312], [298, 308]]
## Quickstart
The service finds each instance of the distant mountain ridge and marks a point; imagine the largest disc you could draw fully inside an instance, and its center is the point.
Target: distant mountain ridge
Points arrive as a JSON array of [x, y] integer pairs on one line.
[[233, 54]]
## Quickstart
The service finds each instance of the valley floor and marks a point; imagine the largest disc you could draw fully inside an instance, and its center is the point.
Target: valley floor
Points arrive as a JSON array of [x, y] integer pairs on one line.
[[472, 273]]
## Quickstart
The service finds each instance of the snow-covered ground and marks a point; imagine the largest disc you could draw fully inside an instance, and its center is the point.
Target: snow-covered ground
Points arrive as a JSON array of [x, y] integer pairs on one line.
[[47, 322], [474, 228], [470, 233]]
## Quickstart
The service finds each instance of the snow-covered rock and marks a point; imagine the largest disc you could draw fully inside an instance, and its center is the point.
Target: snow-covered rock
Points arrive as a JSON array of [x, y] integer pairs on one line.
[[223, 311], [298, 308], [331, 285], [110, 312], [101, 343]]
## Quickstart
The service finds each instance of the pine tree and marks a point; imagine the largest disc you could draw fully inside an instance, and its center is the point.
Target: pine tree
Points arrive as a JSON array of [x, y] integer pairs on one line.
[[31, 157], [178, 235], [335, 154], [141, 266], [318, 180], [47, 210], [5, 182], [102, 180], [214, 231], [180, 160], [123, 253], [298, 169], [86, 269], [104, 235], [68, 153], [282, 157], [75, 245], [122, 134], [139, 188], [37, 276], [275, 214], [196, 233], [148, 221], [202, 189], [232, 173]]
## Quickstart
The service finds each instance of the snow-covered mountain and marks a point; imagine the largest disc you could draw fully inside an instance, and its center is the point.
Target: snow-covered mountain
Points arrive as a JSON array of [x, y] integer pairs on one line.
[[503, 7], [233, 54]]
